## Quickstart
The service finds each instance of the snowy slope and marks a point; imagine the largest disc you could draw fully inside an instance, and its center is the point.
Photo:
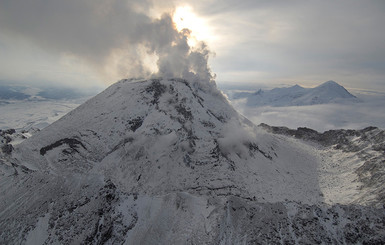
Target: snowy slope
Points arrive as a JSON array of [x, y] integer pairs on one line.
[[328, 92], [351, 166], [168, 162]]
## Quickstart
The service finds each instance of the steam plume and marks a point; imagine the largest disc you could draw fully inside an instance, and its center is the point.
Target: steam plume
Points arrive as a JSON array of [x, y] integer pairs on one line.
[[118, 38]]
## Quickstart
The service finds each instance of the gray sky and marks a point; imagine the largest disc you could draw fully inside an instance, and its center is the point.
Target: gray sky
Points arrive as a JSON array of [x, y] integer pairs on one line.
[[93, 42]]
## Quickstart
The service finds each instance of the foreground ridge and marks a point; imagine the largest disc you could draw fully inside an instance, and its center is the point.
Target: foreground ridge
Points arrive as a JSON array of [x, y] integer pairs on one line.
[[367, 145]]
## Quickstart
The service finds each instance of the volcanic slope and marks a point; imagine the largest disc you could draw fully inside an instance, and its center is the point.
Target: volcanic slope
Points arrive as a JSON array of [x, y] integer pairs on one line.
[[168, 161]]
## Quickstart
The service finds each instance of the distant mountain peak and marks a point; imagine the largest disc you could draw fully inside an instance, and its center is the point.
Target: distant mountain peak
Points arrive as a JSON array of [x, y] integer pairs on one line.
[[330, 82], [333, 91], [328, 92]]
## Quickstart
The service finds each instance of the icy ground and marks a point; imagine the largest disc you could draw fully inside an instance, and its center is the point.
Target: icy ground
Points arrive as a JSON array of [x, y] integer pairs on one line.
[[34, 114]]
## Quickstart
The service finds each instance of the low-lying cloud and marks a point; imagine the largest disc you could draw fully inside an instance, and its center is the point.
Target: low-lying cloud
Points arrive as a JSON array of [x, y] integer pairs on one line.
[[369, 112]]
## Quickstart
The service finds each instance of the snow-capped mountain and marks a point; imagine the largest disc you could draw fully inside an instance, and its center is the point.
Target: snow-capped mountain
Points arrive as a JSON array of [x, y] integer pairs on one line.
[[328, 92], [168, 161]]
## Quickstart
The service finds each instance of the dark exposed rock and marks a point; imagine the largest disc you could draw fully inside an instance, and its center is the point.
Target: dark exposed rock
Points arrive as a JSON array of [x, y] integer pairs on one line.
[[135, 123], [157, 89], [340, 137], [181, 109], [7, 148], [72, 143], [254, 147], [120, 144], [10, 131], [218, 117], [208, 124], [7, 139]]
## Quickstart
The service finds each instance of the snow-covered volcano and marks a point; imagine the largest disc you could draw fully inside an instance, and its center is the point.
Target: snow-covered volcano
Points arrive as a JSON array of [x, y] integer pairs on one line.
[[167, 161], [161, 136]]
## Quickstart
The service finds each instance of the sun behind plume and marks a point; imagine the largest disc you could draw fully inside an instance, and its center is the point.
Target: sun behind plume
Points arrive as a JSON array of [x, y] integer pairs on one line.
[[185, 18]]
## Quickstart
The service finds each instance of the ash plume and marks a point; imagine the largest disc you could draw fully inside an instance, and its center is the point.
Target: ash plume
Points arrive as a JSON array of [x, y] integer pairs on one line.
[[118, 38]]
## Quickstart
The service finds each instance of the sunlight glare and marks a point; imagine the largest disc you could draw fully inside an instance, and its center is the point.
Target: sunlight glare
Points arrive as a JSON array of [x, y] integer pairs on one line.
[[184, 17]]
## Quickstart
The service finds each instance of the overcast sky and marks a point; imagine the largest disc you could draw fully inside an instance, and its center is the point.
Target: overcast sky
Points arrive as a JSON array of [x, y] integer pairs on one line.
[[96, 42]]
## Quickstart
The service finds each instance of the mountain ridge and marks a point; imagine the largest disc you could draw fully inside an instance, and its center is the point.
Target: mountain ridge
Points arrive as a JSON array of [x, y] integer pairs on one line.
[[328, 92]]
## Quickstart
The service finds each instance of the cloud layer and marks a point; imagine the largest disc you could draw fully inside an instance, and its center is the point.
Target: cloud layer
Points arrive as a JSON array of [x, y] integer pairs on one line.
[[369, 112]]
